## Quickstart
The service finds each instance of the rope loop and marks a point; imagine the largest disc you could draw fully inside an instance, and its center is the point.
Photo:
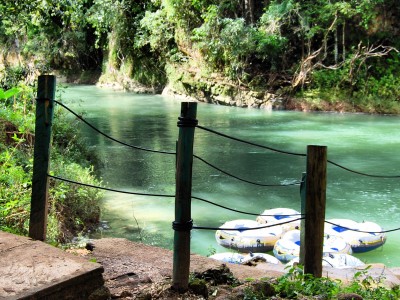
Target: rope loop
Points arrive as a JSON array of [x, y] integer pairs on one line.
[[177, 226], [187, 122]]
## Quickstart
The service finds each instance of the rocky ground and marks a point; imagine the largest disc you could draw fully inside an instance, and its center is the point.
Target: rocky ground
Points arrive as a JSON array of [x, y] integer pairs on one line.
[[138, 271]]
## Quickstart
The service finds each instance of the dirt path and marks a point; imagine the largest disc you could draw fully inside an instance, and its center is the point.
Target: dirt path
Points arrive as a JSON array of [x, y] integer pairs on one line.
[[138, 271], [133, 270]]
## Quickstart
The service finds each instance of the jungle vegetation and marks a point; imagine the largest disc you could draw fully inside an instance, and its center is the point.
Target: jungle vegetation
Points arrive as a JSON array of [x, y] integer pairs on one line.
[[323, 51], [73, 210]]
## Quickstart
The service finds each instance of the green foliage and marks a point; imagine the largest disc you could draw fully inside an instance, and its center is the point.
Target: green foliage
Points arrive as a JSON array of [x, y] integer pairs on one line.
[[55, 33], [281, 45], [371, 288], [102, 15], [229, 44], [371, 84], [156, 32], [15, 185], [4, 95], [71, 208], [295, 283]]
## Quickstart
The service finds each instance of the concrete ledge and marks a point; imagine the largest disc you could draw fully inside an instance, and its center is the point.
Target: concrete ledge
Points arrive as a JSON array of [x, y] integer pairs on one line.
[[35, 270]]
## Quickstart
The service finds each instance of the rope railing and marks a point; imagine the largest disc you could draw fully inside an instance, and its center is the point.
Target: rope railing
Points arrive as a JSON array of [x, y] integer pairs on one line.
[[223, 172], [249, 143], [109, 189], [161, 195], [183, 224], [362, 231], [218, 205], [248, 228], [293, 153], [229, 137], [361, 173], [239, 211], [218, 169], [244, 180], [168, 152], [110, 137]]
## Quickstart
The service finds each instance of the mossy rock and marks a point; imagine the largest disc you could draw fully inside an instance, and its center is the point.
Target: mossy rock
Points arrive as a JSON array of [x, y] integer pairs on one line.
[[199, 287]]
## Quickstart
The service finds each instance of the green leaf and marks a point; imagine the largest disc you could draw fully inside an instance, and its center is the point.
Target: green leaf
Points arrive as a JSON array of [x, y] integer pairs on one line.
[[9, 93]]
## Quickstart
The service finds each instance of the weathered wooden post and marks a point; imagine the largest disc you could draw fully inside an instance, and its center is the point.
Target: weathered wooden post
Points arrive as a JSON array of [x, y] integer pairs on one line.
[[44, 118], [303, 213], [312, 237], [183, 222]]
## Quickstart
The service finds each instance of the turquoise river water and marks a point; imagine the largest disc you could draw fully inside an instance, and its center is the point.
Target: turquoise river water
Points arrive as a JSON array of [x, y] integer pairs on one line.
[[365, 143]]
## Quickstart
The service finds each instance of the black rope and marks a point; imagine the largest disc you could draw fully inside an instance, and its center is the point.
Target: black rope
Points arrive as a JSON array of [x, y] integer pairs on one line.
[[294, 153], [187, 122], [240, 211], [110, 137], [182, 226], [372, 232], [159, 195], [108, 189], [327, 262], [245, 228], [249, 143], [363, 174], [241, 179], [193, 122]]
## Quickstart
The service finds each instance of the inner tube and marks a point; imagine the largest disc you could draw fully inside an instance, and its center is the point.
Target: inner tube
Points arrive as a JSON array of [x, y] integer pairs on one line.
[[238, 258], [336, 260], [364, 241], [245, 240], [288, 247], [281, 215]]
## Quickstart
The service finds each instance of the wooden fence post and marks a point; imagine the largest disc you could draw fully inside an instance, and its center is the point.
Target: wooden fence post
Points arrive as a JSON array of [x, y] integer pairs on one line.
[[303, 213], [183, 222], [312, 238], [44, 118]]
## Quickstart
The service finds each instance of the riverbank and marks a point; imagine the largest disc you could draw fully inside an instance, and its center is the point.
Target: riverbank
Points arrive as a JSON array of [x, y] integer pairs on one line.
[[138, 271]]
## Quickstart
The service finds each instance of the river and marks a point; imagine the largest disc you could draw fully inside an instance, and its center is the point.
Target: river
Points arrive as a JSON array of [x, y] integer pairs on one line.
[[365, 143]]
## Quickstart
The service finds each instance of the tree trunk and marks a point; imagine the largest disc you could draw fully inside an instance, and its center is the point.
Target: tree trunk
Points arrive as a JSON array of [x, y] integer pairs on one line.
[[344, 41], [249, 11], [336, 46]]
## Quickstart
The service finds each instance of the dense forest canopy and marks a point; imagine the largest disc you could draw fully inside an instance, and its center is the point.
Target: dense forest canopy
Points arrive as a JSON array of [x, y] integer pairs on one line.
[[338, 50]]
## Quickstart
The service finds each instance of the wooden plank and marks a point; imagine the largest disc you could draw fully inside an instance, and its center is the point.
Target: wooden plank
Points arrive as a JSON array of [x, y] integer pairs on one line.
[[182, 225], [44, 119], [315, 196]]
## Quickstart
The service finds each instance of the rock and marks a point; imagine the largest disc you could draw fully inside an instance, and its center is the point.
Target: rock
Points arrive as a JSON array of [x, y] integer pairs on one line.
[[102, 293], [229, 294], [349, 296], [221, 275], [199, 287], [125, 294], [89, 246], [264, 288], [144, 296]]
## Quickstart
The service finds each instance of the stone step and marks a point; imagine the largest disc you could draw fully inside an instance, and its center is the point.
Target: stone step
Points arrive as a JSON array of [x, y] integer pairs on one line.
[[35, 270]]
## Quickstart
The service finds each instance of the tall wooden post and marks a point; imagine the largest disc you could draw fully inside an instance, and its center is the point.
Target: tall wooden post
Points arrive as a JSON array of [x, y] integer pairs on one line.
[[44, 118], [183, 222], [312, 239]]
